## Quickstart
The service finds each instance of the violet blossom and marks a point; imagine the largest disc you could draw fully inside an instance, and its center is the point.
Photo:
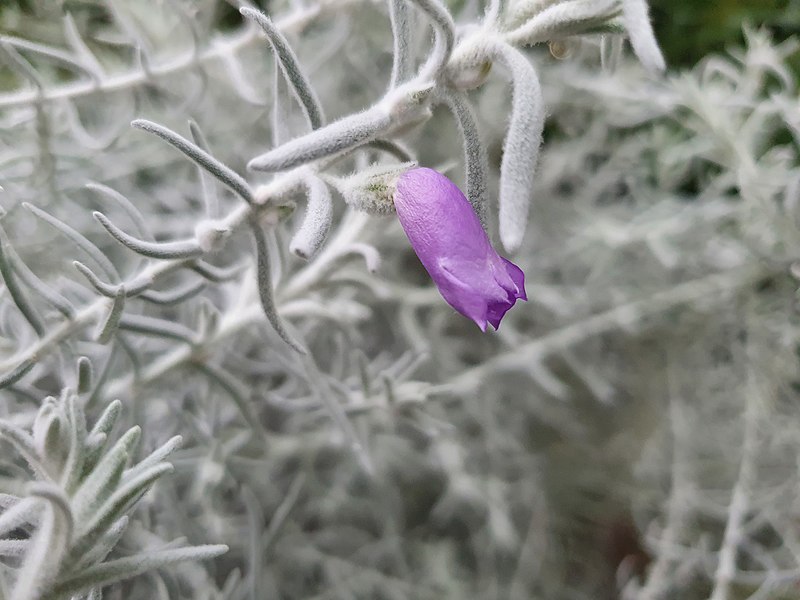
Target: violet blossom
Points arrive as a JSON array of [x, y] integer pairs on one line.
[[450, 242]]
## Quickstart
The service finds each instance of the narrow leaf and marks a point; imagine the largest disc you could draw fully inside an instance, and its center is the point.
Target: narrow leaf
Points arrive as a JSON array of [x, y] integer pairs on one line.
[[17, 373], [136, 217], [172, 297], [114, 508], [23, 443], [20, 64], [494, 10], [521, 147], [444, 40], [640, 33], [98, 436], [84, 244], [282, 513], [131, 566], [369, 253], [24, 512], [13, 547], [98, 485], [210, 199], [101, 548], [17, 295], [111, 323], [322, 390], [233, 389], [290, 66], [339, 136], [399, 151], [73, 468], [85, 56], [164, 250], [58, 501], [317, 220], [105, 289], [52, 297], [222, 172], [155, 457], [265, 292], [401, 35], [105, 423], [157, 328], [47, 546], [476, 163], [216, 274], [564, 19], [255, 552], [84, 375]]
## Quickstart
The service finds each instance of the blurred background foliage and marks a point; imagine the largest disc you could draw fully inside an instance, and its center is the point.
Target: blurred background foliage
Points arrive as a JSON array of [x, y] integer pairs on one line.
[[687, 30], [690, 29]]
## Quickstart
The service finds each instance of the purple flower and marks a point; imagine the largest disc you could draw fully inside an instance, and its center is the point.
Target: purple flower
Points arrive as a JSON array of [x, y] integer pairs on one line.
[[447, 236]]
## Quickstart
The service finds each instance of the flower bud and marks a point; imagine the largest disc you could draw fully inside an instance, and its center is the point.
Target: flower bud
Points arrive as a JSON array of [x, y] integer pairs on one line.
[[453, 247], [372, 190]]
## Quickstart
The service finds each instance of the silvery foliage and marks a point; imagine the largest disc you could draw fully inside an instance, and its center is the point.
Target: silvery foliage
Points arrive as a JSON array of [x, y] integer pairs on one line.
[[222, 271], [76, 510]]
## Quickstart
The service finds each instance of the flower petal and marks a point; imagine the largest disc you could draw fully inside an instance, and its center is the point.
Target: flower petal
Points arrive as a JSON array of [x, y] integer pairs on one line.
[[517, 276], [437, 218], [496, 312]]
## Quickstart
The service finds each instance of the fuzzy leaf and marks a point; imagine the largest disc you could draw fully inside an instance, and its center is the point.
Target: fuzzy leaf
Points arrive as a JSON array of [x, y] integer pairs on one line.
[[476, 163], [164, 250], [29, 278], [84, 375], [265, 291], [157, 328], [317, 220], [133, 213], [155, 457], [26, 511], [17, 295], [111, 322], [222, 172], [82, 242], [370, 254], [131, 566], [564, 19], [444, 37], [210, 199], [48, 545], [102, 547], [104, 477], [640, 32], [24, 444], [16, 373], [85, 56], [290, 66], [521, 147], [339, 136], [114, 508], [401, 35], [73, 467], [173, 297]]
